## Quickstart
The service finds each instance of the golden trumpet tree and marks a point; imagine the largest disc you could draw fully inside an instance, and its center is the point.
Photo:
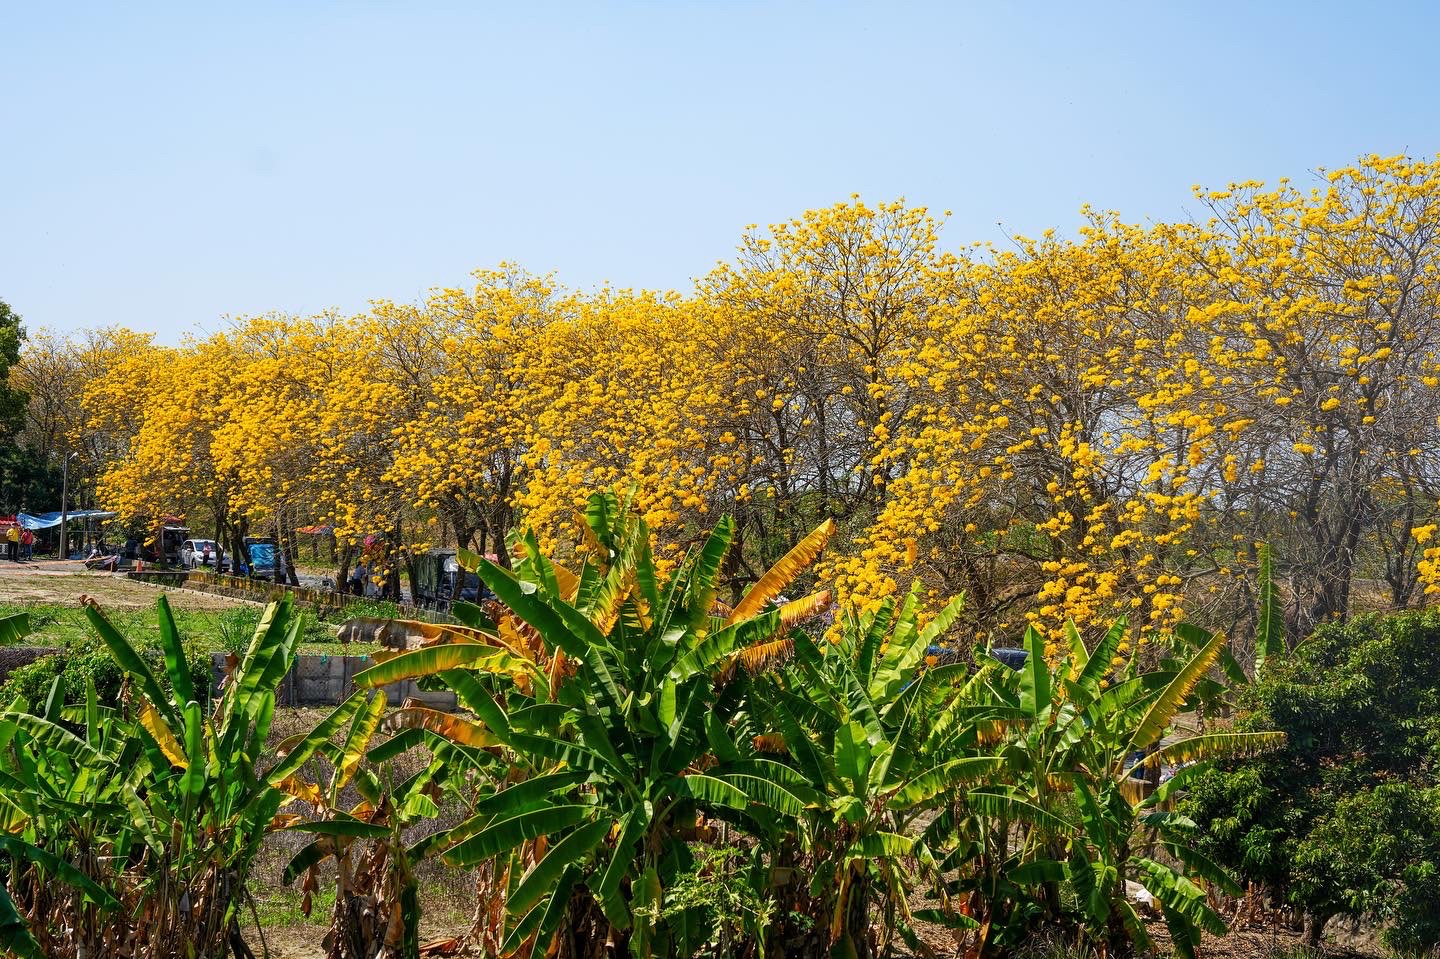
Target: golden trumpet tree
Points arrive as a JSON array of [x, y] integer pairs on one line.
[[152, 417], [626, 397], [808, 324], [1321, 313], [459, 454], [1063, 428], [1055, 456]]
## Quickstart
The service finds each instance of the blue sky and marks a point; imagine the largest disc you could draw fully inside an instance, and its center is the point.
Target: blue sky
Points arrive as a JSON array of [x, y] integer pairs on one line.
[[163, 166]]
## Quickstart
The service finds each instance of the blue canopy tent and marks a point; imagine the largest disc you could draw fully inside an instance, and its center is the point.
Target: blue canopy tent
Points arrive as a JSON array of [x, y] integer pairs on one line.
[[39, 521]]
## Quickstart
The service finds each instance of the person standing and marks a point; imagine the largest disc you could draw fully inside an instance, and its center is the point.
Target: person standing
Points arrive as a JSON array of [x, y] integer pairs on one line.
[[27, 544], [12, 539]]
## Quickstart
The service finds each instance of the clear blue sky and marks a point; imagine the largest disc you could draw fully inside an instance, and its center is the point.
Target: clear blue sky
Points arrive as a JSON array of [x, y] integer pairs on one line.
[[162, 166]]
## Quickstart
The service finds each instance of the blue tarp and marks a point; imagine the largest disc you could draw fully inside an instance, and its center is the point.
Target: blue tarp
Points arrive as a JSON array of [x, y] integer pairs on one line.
[[51, 520], [262, 557]]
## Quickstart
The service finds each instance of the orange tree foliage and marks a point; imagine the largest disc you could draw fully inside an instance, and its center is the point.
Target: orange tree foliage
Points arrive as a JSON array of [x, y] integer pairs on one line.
[[1062, 428]]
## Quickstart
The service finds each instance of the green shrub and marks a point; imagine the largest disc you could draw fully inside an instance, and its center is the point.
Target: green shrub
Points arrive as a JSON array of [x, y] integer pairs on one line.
[[367, 609], [1377, 856], [1359, 703], [721, 892], [236, 626], [75, 667], [32, 681]]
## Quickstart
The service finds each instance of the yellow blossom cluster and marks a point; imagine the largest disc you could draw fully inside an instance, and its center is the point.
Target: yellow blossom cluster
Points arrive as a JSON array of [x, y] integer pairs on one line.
[[1059, 428]]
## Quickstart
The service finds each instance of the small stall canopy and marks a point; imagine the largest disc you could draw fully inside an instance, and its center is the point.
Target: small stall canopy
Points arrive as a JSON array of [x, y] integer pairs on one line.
[[34, 521]]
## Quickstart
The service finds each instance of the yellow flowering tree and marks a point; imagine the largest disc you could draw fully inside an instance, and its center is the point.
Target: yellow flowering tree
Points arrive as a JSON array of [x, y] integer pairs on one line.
[[1061, 429], [1053, 464], [1321, 314], [461, 453], [810, 324]]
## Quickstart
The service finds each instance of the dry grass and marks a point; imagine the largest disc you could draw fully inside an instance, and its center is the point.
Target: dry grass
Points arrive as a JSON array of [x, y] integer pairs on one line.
[[447, 895]]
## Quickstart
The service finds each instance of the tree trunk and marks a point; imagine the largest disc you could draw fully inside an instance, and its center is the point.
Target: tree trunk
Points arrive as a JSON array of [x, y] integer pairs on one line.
[[342, 567], [278, 573], [392, 564], [290, 550], [413, 575], [237, 548], [1315, 928]]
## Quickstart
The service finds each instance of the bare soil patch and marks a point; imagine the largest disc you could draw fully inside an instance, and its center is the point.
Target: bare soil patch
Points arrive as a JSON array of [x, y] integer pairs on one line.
[[65, 583], [306, 940]]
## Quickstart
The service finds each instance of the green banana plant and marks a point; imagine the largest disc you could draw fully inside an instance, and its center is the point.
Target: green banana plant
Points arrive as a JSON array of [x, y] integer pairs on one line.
[[603, 686], [1076, 819], [134, 828], [14, 627], [53, 852], [1270, 616], [876, 742], [377, 903]]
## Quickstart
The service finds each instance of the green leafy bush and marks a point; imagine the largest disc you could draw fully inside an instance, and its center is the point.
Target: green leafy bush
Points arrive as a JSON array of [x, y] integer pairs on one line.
[[32, 681], [1377, 856], [235, 627], [724, 893], [76, 668], [1359, 703]]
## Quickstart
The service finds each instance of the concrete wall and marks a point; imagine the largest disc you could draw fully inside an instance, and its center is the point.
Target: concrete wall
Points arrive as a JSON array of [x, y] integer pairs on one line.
[[328, 680]]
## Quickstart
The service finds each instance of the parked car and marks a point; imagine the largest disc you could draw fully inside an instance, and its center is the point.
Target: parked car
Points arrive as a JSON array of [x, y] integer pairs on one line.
[[195, 553]]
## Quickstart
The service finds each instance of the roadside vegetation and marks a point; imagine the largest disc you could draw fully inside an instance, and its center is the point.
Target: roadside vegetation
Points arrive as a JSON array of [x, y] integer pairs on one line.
[[871, 599], [626, 733], [1343, 822], [80, 657]]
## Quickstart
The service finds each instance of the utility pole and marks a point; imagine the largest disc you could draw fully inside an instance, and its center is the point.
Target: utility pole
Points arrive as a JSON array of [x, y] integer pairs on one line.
[[65, 504]]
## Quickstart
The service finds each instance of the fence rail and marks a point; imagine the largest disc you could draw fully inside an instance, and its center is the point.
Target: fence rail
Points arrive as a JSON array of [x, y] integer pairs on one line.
[[323, 601]]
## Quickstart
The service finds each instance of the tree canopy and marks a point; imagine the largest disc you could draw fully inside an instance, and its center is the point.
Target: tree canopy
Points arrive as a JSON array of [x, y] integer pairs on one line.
[[1060, 429], [25, 481]]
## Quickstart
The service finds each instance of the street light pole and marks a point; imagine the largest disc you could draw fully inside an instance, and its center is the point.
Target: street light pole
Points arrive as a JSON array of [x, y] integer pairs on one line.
[[65, 504]]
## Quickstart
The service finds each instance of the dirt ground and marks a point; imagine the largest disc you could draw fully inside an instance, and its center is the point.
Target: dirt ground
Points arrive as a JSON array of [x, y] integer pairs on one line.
[[304, 941], [65, 582], [289, 942]]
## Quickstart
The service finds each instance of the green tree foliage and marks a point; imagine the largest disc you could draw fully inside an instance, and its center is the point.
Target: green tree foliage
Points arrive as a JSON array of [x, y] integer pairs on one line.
[[25, 481], [1360, 706], [12, 401], [1377, 855]]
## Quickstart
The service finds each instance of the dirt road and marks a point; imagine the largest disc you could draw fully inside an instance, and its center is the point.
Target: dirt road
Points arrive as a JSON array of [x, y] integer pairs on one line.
[[64, 582]]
